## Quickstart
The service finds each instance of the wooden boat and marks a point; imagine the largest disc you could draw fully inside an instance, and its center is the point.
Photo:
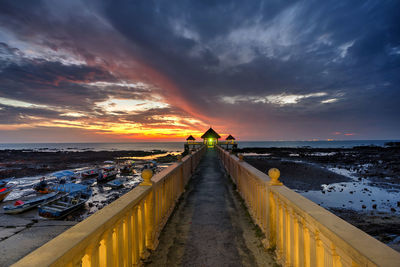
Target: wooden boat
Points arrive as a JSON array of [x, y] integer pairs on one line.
[[90, 173], [116, 183], [5, 191], [60, 207], [21, 206], [106, 176]]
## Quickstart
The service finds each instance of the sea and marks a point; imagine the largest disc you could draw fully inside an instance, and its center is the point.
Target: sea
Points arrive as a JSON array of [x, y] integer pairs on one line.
[[178, 146]]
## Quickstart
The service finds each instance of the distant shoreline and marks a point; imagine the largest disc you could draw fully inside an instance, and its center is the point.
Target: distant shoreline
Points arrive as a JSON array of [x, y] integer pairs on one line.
[[178, 146]]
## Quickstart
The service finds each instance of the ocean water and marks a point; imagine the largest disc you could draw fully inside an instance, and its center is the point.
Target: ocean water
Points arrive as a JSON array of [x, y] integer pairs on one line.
[[178, 146]]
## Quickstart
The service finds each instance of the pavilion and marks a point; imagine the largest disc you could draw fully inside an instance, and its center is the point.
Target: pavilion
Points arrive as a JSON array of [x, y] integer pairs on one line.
[[210, 138]]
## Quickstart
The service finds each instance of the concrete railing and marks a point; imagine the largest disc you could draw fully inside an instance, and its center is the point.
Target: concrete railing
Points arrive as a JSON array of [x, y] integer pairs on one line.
[[301, 232], [122, 233]]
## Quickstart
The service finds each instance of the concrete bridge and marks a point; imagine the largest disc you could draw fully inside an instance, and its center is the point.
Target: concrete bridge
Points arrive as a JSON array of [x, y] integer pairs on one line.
[[195, 213]]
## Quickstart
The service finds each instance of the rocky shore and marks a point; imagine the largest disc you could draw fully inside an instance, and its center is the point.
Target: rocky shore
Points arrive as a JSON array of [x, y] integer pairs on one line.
[[22, 163], [360, 184]]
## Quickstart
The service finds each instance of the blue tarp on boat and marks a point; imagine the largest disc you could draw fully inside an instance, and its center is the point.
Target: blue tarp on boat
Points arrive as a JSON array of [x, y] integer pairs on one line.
[[69, 187], [64, 173]]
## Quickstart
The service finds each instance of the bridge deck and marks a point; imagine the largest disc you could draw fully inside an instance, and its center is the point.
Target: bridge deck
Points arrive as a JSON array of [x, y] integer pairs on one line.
[[210, 226]]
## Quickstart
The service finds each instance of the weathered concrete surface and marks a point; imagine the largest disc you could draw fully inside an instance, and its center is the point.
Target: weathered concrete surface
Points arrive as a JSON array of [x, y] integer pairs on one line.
[[210, 226], [20, 235]]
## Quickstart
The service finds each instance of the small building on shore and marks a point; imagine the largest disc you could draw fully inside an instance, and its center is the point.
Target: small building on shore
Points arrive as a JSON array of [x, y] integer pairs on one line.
[[210, 138]]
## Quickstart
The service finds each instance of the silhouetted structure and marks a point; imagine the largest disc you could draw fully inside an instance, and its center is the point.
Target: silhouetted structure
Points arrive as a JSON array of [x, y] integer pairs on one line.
[[210, 138], [190, 139]]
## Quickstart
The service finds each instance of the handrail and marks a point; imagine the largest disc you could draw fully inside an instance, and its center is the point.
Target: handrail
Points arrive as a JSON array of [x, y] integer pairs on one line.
[[122, 233], [301, 232]]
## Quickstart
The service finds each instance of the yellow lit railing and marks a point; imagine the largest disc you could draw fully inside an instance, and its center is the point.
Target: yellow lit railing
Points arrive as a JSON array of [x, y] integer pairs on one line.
[[302, 233], [122, 233]]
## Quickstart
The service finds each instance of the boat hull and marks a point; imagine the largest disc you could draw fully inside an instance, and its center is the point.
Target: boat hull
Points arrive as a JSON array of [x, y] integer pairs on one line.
[[61, 207], [29, 204]]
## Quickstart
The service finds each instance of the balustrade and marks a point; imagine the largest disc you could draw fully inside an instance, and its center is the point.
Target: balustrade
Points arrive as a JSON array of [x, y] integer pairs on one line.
[[122, 233], [301, 232]]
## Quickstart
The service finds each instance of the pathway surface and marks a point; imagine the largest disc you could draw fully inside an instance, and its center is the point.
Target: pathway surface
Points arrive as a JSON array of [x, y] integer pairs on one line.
[[210, 226]]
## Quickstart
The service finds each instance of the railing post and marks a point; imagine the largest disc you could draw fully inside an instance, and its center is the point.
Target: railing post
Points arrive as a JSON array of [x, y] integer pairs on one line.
[[149, 210]]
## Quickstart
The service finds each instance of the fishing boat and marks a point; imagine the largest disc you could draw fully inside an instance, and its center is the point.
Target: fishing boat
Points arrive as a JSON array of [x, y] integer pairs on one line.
[[21, 206], [90, 173], [105, 176], [4, 191], [116, 183], [42, 187], [60, 207]]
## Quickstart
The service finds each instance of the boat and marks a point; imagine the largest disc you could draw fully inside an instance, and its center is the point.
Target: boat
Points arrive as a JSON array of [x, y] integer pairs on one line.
[[106, 176], [116, 183], [150, 165], [5, 191], [68, 187], [4, 182], [60, 207], [127, 168], [42, 187], [21, 206], [90, 173], [109, 168]]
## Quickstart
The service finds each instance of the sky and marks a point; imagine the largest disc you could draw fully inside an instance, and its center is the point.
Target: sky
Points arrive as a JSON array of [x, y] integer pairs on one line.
[[121, 71]]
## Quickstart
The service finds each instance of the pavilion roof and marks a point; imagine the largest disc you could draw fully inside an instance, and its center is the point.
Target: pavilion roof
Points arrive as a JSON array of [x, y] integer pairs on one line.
[[210, 134], [191, 138], [230, 137]]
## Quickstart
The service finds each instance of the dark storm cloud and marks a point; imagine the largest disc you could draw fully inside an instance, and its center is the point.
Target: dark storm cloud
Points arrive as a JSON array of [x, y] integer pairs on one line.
[[349, 50], [211, 48]]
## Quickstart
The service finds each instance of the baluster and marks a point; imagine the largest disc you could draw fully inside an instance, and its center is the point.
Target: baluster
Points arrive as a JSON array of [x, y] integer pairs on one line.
[[128, 239], [292, 236], [109, 248], [300, 242], [103, 252], [295, 240], [120, 242], [342, 258], [94, 255], [142, 229], [319, 250], [313, 248], [280, 230], [287, 237], [327, 246], [136, 243], [271, 216]]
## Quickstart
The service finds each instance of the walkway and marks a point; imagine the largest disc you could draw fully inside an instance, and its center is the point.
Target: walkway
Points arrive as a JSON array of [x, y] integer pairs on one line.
[[210, 226]]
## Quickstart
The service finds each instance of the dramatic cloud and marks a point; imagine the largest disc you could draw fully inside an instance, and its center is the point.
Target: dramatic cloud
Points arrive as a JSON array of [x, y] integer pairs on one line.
[[148, 69]]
